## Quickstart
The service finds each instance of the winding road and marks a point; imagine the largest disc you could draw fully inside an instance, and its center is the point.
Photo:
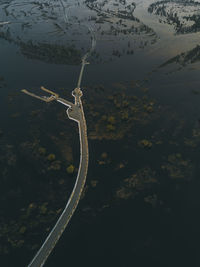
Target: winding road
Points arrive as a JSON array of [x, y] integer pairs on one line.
[[75, 112]]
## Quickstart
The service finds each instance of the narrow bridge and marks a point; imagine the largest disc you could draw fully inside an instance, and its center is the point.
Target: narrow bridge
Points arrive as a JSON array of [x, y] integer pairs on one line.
[[75, 112]]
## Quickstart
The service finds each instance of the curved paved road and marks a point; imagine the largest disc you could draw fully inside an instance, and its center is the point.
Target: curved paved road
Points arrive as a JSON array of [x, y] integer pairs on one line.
[[74, 112]]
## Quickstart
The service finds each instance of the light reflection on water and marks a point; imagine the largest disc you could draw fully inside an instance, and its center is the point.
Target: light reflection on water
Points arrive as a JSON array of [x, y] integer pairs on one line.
[[174, 87]]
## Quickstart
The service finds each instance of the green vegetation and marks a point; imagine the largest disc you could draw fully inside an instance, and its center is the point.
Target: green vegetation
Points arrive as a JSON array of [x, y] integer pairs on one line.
[[131, 187], [51, 53], [51, 157], [134, 162], [175, 12], [186, 58], [145, 143], [70, 169], [42, 151], [125, 111], [144, 155], [178, 167], [55, 165]]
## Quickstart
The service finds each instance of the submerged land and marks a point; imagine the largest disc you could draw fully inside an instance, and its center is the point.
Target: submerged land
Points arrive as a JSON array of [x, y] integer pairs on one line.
[[141, 101]]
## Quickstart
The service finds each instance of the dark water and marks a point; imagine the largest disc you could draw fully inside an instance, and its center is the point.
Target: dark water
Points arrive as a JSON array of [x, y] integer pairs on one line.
[[141, 99]]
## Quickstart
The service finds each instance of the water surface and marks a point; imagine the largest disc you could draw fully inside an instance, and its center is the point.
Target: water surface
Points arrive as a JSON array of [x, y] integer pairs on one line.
[[141, 100]]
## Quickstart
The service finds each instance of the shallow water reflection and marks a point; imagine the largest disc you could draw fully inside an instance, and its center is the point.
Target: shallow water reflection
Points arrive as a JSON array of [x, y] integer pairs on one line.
[[141, 100]]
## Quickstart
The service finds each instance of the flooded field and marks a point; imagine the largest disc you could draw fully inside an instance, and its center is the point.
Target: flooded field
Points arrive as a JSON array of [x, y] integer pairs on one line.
[[141, 97]]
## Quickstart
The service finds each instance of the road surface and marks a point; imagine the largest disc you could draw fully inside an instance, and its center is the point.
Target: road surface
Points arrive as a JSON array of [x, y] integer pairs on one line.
[[74, 112]]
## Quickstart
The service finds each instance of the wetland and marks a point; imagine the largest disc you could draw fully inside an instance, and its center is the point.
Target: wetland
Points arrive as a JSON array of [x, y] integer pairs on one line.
[[141, 97]]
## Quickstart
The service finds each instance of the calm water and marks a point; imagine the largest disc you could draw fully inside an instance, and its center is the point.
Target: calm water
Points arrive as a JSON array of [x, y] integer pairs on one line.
[[141, 98]]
